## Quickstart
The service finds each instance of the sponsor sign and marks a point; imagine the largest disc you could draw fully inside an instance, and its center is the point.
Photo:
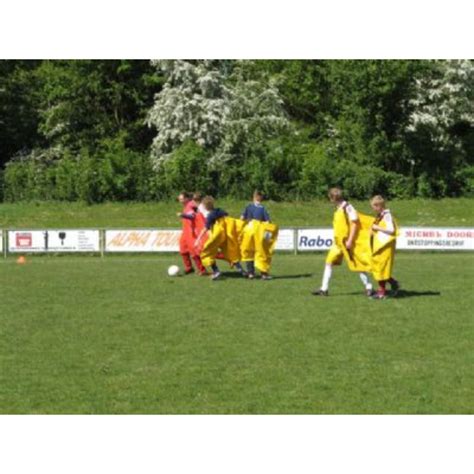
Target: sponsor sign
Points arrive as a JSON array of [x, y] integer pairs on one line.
[[315, 239], [154, 240], [67, 240], [142, 240], [435, 238], [162, 240], [286, 239]]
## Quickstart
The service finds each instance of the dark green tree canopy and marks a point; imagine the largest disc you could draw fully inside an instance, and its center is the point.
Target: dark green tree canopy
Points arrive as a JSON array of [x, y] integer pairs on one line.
[[95, 130]]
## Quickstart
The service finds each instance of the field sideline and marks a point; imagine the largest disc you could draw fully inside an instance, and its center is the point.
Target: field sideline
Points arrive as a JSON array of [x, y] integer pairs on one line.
[[116, 335]]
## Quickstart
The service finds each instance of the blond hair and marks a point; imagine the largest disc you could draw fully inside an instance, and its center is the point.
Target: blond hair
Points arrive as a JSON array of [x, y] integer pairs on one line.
[[378, 199], [335, 194]]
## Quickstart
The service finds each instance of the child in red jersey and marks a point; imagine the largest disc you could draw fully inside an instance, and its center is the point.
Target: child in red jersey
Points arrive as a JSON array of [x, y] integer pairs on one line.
[[188, 235]]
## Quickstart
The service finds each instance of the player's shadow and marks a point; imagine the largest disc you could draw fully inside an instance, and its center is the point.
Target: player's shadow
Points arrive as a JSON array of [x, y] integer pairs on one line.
[[411, 294], [274, 277], [402, 293], [293, 277], [231, 274]]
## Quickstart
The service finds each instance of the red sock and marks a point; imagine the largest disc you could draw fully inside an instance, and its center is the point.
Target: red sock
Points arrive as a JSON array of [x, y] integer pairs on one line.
[[188, 266], [198, 263]]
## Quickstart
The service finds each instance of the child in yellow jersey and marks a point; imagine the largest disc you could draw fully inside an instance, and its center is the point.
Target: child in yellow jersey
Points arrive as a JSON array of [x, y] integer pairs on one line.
[[383, 241], [347, 244], [258, 221], [222, 234]]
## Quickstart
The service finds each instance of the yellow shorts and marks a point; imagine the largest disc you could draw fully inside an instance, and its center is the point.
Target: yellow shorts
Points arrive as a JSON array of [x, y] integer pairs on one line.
[[382, 262], [335, 256]]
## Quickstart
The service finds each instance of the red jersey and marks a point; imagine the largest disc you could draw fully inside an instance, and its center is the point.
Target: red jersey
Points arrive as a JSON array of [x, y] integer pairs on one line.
[[188, 235]]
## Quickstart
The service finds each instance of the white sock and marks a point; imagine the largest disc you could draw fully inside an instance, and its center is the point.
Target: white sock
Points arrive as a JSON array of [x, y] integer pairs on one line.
[[326, 277], [365, 280]]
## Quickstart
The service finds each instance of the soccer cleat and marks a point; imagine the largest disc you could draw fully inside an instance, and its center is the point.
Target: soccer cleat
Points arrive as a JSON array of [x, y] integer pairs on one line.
[[395, 287], [267, 277], [251, 276], [379, 296], [243, 273], [188, 272], [216, 275], [369, 292], [320, 292]]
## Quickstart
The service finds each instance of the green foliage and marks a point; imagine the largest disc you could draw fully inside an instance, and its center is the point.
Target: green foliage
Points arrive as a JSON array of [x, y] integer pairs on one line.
[[185, 169], [18, 108], [322, 170], [77, 130], [113, 173]]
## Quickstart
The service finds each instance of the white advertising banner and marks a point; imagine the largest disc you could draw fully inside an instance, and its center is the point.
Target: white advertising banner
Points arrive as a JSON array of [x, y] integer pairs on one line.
[[153, 240], [315, 239], [156, 240], [142, 240], [286, 239], [63, 240], [435, 238], [410, 238]]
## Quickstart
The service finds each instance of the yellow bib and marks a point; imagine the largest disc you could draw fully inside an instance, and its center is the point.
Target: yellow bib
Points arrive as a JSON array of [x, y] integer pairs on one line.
[[359, 258], [340, 225], [380, 240], [266, 236]]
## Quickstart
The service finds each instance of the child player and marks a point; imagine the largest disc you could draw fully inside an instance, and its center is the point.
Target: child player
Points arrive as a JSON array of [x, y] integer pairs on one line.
[[254, 211], [347, 244], [217, 229], [188, 235], [383, 242]]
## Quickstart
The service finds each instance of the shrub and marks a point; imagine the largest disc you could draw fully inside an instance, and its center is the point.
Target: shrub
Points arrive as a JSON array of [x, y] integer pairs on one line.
[[187, 169]]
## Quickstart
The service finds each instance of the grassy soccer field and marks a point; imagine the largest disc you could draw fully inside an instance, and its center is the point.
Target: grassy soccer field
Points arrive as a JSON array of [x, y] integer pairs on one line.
[[116, 335], [318, 213]]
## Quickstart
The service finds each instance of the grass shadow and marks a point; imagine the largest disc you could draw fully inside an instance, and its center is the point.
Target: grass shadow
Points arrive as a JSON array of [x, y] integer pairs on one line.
[[401, 293], [411, 294], [232, 274], [292, 277], [276, 277]]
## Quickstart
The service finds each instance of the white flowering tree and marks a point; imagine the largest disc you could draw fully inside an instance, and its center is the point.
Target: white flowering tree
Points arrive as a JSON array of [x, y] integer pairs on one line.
[[442, 100], [215, 106]]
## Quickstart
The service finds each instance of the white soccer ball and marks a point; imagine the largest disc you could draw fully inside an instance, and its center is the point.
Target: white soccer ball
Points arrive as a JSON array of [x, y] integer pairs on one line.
[[173, 271]]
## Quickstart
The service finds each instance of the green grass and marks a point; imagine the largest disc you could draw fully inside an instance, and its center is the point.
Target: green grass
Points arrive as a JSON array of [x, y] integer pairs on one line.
[[115, 335], [444, 212]]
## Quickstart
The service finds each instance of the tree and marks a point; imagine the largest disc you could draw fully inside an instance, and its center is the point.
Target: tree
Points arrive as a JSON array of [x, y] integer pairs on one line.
[[441, 125], [84, 102], [214, 104], [18, 108]]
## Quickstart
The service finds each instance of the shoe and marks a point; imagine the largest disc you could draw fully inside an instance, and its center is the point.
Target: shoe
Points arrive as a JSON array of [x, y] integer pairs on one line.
[[216, 275], [251, 276], [188, 272], [369, 293], [243, 273], [379, 296], [320, 293], [395, 287], [267, 277]]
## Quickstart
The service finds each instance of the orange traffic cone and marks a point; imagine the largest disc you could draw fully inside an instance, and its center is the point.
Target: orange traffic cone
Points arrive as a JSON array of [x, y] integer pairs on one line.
[[21, 260]]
